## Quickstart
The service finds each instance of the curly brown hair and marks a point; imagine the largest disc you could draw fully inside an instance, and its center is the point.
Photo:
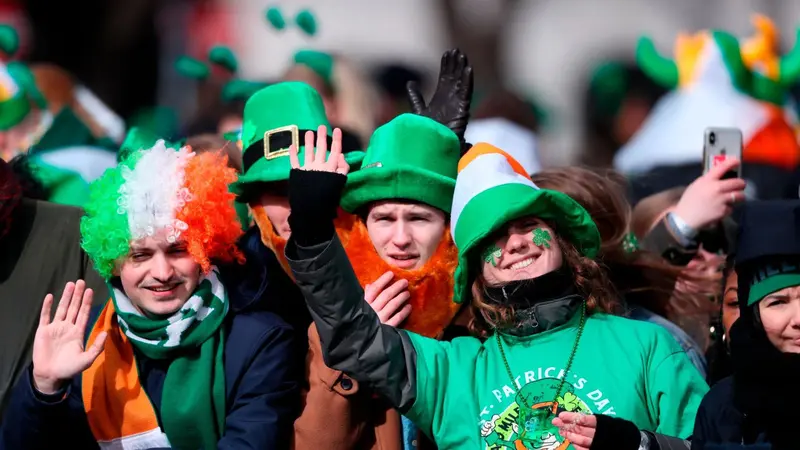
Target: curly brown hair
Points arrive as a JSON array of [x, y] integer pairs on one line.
[[591, 282], [643, 278]]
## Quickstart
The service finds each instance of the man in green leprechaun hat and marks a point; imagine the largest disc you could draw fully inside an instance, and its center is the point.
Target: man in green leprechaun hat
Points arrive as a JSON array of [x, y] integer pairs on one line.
[[275, 118]]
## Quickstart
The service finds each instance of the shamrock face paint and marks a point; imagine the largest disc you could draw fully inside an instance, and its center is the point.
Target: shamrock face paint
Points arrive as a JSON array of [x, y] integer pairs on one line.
[[542, 238], [492, 254], [519, 254]]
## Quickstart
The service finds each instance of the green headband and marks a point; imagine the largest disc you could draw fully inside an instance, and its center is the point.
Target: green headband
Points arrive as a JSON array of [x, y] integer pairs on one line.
[[772, 278]]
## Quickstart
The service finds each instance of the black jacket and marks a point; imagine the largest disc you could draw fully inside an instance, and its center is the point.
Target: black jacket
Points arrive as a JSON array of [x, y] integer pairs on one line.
[[718, 421]]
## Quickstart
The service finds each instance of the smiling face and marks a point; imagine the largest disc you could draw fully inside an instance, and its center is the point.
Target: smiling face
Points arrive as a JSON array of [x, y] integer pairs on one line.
[[527, 249], [159, 276], [780, 315], [405, 235]]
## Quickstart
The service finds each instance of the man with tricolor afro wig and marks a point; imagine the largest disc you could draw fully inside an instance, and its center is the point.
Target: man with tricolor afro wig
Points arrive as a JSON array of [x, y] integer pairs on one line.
[[174, 358], [190, 202]]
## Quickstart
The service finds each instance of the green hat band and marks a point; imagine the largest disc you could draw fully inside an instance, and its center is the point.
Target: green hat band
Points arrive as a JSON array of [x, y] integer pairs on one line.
[[773, 278], [276, 143], [375, 183]]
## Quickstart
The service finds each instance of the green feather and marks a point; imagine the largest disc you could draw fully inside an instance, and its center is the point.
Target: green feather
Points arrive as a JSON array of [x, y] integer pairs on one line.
[[192, 68], [9, 39], [275, 18], [223, 56], [307, 22]]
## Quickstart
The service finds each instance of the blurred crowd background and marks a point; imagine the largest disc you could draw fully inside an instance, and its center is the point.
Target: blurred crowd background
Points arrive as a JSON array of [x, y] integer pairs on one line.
[[548, 52]]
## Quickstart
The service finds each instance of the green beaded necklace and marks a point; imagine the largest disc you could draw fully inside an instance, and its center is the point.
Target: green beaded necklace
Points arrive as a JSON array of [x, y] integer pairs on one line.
[[538, 417]]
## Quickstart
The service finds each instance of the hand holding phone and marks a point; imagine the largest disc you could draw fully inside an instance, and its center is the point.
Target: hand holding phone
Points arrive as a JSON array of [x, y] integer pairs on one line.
[[711, 197]]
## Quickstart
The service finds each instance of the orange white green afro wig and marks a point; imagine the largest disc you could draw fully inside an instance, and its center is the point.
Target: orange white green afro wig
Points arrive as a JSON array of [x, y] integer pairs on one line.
[[177, 191]]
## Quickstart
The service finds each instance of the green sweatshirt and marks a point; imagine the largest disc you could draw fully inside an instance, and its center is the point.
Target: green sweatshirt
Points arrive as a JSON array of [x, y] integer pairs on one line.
[[460, 393], [623, 368]]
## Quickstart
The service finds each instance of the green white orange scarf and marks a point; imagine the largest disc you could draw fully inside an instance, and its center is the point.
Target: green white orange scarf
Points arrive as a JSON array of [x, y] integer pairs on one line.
[[120, 413]]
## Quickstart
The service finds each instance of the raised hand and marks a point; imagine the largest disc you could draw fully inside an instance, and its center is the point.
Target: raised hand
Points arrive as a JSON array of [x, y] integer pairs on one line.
[[318, 159], [709, 198], [389, 301], [451, 102], [58, 353]]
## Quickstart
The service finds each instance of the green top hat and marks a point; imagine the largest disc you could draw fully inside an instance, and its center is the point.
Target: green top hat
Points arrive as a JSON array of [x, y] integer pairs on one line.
[[275, 118], [411, 158]]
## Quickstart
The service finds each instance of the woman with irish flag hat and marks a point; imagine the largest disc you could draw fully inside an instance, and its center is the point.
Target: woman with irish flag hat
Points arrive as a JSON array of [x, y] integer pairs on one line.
[[542, 308], [175, 358]]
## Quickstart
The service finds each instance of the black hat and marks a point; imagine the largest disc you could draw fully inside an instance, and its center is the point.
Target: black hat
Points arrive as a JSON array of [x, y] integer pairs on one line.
[[768, 248]]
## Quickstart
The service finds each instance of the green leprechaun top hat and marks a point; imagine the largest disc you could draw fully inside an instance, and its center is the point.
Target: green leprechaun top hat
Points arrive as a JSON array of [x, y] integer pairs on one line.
[[411, 158], [492, 189], [275, 118]]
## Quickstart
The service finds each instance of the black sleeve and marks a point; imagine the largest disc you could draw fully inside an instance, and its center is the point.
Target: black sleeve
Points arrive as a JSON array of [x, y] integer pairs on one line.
[[615, 434], [314, 199], [351, 336]]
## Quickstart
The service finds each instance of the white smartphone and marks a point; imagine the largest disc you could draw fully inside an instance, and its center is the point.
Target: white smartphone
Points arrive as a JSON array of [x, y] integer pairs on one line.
[[720, 144]]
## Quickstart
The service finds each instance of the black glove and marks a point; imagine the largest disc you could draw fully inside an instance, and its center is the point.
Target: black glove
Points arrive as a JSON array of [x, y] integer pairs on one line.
[[614, 433], [314, 199], [451, 101]]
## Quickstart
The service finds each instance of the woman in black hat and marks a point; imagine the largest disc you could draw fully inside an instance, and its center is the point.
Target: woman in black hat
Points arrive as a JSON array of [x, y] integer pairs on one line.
[[753, 408]]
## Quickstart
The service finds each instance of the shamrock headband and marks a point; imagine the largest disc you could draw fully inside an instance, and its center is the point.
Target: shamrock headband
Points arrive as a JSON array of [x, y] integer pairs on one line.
[[305, 20], [319, 62]]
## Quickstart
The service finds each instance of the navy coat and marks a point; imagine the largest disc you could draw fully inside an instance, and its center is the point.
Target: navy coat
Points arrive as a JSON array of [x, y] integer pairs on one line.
[[261, 377]]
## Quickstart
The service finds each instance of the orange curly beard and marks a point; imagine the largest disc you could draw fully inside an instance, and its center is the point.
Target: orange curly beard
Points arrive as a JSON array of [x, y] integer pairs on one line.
[[431, 286]]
